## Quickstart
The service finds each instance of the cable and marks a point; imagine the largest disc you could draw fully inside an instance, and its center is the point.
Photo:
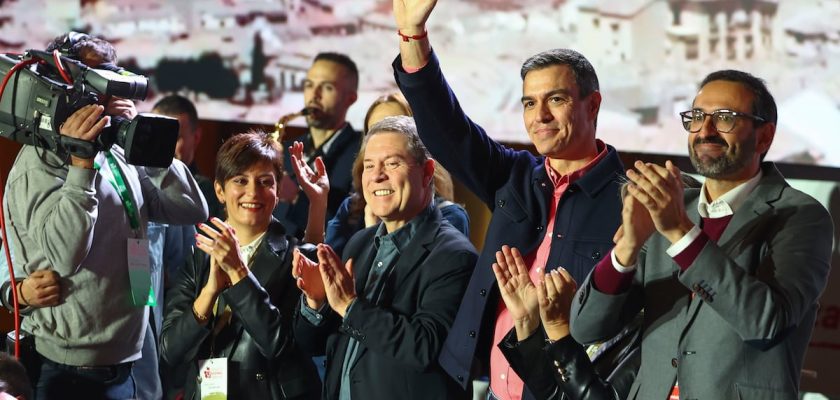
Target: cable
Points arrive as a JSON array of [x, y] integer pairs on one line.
[[12, 71], [57, 58], [8, 255], [6, 249]]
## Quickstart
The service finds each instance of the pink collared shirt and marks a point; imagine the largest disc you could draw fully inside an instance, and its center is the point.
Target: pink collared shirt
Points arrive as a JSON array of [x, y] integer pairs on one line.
[[504, 383]]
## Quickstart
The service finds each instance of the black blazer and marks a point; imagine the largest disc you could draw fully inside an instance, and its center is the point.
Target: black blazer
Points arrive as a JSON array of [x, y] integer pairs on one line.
[[563, 369], [263, 360], [401, 335]]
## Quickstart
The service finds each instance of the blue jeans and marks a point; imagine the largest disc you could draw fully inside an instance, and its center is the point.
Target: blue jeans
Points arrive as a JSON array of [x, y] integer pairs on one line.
[[58, 381]]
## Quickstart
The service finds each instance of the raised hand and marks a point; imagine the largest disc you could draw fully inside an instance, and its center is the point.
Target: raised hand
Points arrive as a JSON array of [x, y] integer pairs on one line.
[[41, 288], [518, 292], [555, 292], [338, 279], [411, 15], [660, 190], [308, 277], [223, 247], [315, 184]]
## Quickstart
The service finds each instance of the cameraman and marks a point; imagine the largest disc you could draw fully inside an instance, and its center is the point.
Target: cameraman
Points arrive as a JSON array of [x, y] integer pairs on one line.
[[72, 230]]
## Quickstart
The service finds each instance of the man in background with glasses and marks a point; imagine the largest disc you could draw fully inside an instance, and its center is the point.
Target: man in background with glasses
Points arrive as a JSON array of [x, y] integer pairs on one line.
[[728, 275]]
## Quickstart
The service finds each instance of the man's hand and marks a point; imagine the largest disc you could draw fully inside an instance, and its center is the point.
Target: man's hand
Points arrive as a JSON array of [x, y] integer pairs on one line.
[[554, 295], [518, 292], [636, 227], [120, 107], [41, 288], [308, 277], [660, 190], [338, 279], [411, 15], [84, 124], [315, 184]]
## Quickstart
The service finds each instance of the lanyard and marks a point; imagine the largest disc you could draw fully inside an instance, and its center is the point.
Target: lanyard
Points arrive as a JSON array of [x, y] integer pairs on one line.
[[117, 180]]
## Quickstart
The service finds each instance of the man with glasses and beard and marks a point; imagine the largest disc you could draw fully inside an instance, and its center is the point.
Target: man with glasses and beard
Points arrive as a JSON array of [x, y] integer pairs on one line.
[[728, 275]]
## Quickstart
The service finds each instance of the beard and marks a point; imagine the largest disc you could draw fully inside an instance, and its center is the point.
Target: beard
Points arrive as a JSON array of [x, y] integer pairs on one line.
[[732, 160]]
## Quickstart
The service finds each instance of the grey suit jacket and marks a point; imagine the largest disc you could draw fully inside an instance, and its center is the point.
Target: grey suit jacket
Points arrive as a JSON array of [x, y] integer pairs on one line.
[[745, 333]]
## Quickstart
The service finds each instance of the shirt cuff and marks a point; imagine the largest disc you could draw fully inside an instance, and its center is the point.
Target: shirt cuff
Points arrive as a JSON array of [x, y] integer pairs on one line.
[[687, 256], [620, 268], [607, 277], [313, 316], [349, 308], [684, 242]]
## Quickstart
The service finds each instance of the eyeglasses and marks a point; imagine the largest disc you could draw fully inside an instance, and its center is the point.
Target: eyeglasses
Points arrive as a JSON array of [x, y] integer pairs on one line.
[[722, 120]]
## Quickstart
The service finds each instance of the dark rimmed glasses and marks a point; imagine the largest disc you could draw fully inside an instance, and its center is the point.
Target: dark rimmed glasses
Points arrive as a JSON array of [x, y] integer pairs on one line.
[[722, 120]]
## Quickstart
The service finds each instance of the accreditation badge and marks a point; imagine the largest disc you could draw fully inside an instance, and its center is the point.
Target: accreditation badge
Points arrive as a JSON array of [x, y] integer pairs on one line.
[[140, 273], [212, 378]]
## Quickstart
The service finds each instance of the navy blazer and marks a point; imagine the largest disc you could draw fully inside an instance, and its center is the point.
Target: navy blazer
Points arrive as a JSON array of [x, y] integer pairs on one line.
[[516, 188], [339, 163], [401, 334]]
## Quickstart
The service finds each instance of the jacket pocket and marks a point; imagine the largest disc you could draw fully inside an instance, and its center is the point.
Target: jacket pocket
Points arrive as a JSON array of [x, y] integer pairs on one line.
[[590, 252], [756, 393], [509, 204]]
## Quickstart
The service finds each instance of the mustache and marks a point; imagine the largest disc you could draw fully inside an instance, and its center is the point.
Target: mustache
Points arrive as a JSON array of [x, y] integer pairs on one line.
[[710, 140]]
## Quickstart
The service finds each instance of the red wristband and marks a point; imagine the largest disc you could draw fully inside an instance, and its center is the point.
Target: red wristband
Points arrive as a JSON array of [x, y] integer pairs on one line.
[[405, 38]]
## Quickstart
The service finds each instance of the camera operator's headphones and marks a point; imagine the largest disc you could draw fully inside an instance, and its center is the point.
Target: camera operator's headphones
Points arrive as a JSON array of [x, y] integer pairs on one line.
[[71, 40], [68, 49]]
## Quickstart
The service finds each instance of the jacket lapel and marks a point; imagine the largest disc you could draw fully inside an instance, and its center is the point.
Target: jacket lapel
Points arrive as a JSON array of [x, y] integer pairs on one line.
[[759, 202], [265, 266], [410, 259]]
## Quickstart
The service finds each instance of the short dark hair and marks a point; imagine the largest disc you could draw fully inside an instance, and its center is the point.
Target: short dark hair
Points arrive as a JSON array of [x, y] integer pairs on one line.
[[13, 377], [343, 60], [91, 50], [763, 106], [585, 76], [175, 104], [244, 150]]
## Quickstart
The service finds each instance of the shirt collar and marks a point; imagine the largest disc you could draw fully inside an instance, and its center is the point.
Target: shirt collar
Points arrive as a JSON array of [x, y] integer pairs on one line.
[[729, 202], [326, 146], [250, 249], [402, 236], [557, 179]]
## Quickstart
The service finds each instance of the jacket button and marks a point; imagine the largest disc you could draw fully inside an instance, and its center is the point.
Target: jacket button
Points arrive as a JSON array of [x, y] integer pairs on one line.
[[260, 377], [501, 203], [460, 378], [472, 334], [539, 228], [596, 255], [483, 292], [674, 362]]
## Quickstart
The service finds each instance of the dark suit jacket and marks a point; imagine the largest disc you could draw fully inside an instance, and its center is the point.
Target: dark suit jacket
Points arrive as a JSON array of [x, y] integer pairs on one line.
[[401, 335], [263, 360], [517, 189], [339, 163], [745, 333]]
